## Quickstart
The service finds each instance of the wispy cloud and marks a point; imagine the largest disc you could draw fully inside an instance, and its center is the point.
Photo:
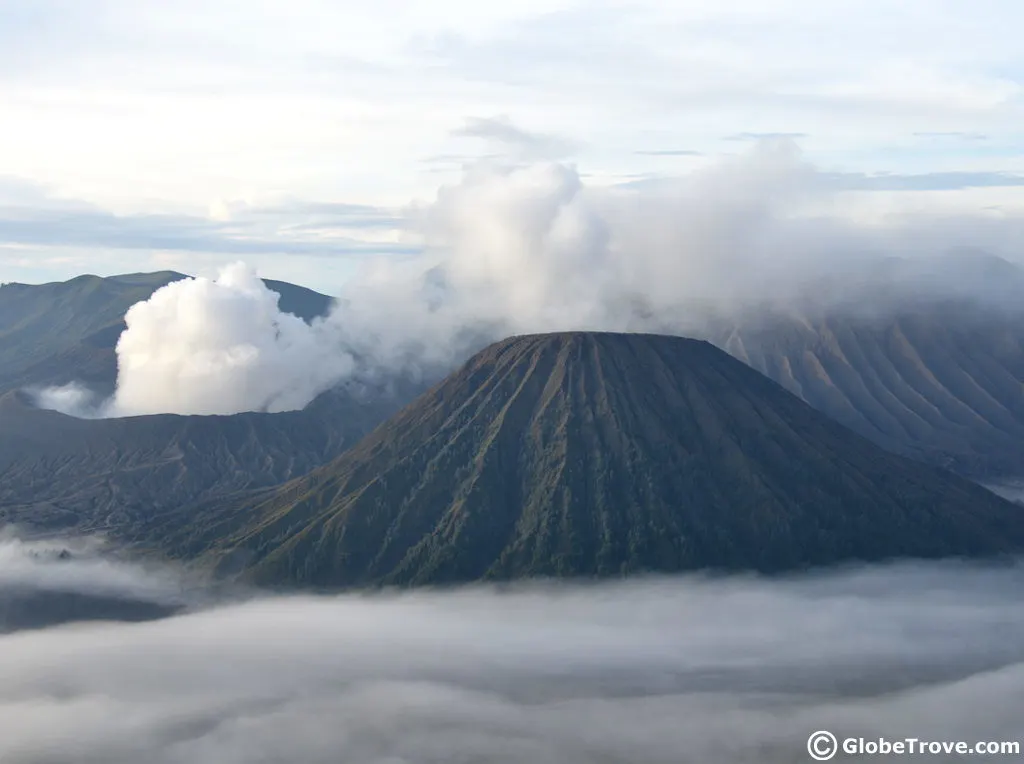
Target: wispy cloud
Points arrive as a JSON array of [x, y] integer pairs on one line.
[[929, 181], [831, 182], [764, 136], [523, 143], [669, 153], [321, 229], [954, 134], [134, 107]]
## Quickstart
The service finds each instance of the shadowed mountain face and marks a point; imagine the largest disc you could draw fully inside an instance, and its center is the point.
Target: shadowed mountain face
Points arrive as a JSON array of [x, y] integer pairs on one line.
[[939, 381], [599, 454], [52, 334], [59, 473]]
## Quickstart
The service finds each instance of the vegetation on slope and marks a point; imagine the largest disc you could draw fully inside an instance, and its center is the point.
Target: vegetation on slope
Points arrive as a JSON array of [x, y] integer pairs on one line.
[[599, 454]]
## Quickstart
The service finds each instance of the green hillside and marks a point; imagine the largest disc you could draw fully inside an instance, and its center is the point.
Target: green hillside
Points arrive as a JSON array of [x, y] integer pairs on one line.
[[586, 454]]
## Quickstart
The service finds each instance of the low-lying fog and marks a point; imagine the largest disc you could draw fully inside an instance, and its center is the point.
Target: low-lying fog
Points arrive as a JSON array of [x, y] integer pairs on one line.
[[678, 670]]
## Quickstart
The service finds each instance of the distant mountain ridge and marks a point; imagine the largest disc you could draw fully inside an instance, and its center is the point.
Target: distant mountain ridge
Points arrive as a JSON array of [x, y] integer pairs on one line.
[[56, 333], [939, 377], [942, 381], [922, 355], [581, 454]]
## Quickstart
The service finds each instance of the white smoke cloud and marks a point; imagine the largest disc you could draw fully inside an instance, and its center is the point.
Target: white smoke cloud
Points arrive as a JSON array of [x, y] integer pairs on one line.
[[73, 398], [201, 346], [525, 248], [681, 670], [514, 249]]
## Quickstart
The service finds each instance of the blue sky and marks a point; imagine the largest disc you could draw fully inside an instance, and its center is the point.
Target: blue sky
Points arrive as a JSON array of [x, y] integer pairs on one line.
[[302, 136]]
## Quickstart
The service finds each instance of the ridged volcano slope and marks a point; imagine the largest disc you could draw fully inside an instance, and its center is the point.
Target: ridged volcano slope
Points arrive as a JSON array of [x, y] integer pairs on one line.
[[941, 383], [601, 454]]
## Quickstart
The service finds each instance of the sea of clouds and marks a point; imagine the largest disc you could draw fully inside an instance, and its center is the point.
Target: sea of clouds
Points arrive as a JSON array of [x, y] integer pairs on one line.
[[667, 670]]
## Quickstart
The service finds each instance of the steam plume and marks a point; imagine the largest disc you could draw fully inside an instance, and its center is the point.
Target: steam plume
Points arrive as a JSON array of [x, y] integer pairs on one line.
[[201, 346], [533, 248]]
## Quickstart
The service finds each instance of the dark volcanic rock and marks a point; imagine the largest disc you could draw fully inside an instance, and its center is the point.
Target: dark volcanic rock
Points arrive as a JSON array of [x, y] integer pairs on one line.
[[584, 454], [60, 474]]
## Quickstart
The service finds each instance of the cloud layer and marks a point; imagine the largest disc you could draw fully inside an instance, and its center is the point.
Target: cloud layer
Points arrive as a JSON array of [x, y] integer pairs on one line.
[[342, 102], [52, 581], [663, 670], [79, 565], [530, 247], [534, 247]]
